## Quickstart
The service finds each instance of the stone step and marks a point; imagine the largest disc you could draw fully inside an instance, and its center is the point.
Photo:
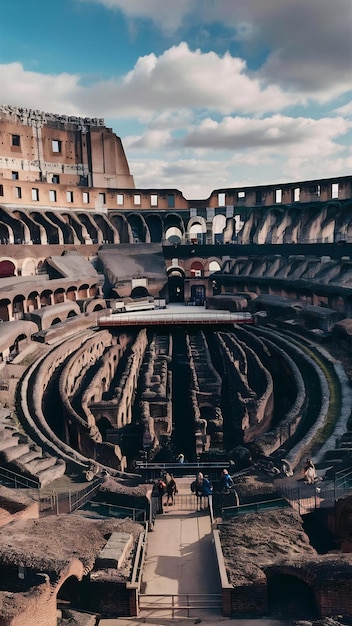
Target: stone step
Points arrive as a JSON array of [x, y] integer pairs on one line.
[[8, 441], [50, 474], [14, 452], [39, 464], [32, 454]]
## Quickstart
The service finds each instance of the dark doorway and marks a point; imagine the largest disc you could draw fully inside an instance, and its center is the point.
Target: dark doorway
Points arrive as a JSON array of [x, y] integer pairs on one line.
[[198, 294], [290, 597], [176, 289]]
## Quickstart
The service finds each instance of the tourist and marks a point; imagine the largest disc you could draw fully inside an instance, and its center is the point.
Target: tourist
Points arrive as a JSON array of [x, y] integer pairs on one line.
[[160, 488], [180, 458], [226, 481], [310, 473], [202, 487], [171, 490]]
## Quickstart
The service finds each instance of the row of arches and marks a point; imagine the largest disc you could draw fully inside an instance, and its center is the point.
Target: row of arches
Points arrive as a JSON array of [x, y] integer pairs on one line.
[[30, 300], [79, 227]]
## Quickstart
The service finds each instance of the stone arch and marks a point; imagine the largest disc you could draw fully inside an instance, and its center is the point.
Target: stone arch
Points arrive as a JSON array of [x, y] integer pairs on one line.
[[46, 297], [176, 278], [5, 309], [55, 321], [59, 295], [214, 266], [74, 572], [291, 595], [7, 268], [76, 226], [174, 219], [104, 424], [29, 267], [155, 227], [53, 233], [6, 235], [18, 305], [92, 230], [140, 232], [196, 230], [139, 292], [122, 226], [197, 269], [218, 227], [173, 234], [83, 291]]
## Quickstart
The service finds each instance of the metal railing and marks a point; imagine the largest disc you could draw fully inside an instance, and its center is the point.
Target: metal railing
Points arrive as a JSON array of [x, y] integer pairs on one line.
[[323, 494], [254, 507], [179, 605], [120, 512], [68, 501], [18, 481]]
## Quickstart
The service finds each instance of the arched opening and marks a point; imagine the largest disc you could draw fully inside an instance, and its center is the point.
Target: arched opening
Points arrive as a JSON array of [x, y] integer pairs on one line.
[[139, 292], [7, 268], [288, 595], [219, 224], [56, 320], [197, 269], [214, 266], [176, 286], [196, 233], [103, 425], [71, 314], [70, 591], [173, 235]]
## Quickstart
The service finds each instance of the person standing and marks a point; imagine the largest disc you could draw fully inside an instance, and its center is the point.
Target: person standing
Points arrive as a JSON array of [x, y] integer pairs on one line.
[[171, 490], [202, 487]]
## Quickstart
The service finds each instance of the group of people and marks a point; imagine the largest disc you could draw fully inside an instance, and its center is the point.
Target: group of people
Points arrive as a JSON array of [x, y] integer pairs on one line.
[[166, 485], [201, 487]]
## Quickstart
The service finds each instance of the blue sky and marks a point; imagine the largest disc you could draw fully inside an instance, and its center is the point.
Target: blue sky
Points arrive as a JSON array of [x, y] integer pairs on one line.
[[205, 94]]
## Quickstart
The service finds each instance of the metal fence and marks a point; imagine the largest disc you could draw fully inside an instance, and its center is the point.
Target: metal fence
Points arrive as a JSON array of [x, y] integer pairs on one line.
[[180, 605], [68, 501]]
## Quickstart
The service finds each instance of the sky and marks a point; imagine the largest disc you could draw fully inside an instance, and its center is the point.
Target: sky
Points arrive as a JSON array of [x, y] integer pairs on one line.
[[205, 94]]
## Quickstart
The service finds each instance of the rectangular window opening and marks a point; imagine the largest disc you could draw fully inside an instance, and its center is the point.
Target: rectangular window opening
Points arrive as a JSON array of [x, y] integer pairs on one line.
[[136, 199], [52, 195], [56, 179], [16, 140], [35, 194], [154, 200], [85, 197], [14, 175], [69, 196], [278, 196], [119, 199], [221, 199], [18, 192], [56, 145], [335, 190]]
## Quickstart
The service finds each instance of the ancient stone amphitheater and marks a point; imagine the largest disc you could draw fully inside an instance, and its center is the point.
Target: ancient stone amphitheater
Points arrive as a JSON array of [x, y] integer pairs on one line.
[[136, 324]]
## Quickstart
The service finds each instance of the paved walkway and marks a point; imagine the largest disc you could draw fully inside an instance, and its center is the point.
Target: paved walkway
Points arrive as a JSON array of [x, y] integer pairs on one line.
[[181, 559]]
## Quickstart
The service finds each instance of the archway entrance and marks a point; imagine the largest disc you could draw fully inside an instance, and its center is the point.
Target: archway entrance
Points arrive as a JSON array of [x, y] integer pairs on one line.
[[176, 288], [139, 292], [288, 595]]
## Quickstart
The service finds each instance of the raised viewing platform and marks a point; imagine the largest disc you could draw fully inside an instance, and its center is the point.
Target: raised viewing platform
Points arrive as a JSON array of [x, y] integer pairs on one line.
[[174, 314]]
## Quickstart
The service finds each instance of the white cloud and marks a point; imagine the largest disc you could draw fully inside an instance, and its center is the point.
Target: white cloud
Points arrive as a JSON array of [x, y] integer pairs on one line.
[[52, 93], [279, 133], [178, 79], [308, 43]]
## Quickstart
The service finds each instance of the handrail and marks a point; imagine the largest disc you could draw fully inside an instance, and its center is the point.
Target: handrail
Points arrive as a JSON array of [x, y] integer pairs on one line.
[[257, 505], [19, 479]]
